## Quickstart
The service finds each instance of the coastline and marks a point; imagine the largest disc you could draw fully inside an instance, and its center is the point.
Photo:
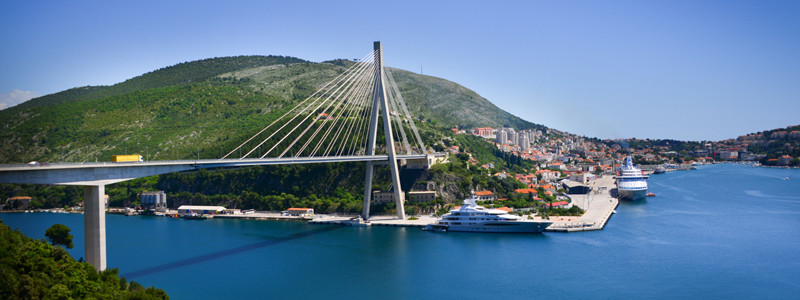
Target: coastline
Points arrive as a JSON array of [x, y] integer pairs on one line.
[[599, 205]]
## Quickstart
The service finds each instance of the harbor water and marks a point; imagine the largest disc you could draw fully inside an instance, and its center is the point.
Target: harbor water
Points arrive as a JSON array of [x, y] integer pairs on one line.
[[722, 231]]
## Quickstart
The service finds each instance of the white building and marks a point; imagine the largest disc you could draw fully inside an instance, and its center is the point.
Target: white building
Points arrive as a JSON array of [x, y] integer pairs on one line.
[[502, 137], [524, 142], [583, 178], [199, 209]]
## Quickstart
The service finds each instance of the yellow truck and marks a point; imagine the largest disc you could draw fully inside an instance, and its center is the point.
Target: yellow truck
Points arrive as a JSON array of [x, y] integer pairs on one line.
[[126, 158]]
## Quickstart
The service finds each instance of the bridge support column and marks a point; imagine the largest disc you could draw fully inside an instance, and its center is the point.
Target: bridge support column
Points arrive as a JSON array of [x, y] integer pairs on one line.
[[94, 225], [367, 191]]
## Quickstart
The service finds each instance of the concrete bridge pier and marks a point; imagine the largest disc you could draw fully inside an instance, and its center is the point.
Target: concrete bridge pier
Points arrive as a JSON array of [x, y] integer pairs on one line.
[[94, 225]]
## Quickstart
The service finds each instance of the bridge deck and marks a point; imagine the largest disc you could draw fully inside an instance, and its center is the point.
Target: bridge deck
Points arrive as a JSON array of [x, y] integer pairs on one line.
[[109, 172]]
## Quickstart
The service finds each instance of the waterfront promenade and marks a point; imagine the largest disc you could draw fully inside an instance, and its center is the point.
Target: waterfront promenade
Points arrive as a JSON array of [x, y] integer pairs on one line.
[[421, 221], [599, 205]]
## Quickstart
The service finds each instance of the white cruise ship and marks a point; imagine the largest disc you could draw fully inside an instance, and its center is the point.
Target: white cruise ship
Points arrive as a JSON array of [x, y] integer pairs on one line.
[[475, 218], [631, 182]]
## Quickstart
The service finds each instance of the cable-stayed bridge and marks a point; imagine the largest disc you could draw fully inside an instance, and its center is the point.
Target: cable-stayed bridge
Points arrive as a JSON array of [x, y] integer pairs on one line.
[[340, 122]]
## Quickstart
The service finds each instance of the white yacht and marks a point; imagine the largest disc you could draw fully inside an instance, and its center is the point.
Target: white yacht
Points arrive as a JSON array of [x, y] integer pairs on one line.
[[631, 182], [475, 218]]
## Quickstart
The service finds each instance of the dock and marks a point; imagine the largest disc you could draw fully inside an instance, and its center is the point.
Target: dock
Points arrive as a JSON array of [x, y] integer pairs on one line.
[[263, 216], [420, 222], [599, 205]]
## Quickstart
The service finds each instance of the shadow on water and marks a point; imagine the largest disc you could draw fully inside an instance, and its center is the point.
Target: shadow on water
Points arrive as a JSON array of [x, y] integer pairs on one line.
[[224, 253]]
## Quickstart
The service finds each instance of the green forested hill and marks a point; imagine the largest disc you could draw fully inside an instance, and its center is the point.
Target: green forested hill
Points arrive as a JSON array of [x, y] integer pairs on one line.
[[451, 104], [183, 73], [204, 107]]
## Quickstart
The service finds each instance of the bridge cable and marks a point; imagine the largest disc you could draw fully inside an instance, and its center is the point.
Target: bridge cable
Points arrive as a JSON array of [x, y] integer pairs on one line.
[[293, 108], [362, 97], [398, 120], [327, 100], [355, 98], [307, 106], [334, 114], [344, 106], [363, 111], [393, 84]]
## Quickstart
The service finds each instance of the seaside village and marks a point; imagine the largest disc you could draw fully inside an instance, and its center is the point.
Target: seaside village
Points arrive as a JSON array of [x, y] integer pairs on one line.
[[565, 164]]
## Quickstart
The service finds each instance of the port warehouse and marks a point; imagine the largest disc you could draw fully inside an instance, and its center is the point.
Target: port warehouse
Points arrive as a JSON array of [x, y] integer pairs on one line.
[[574, 187]]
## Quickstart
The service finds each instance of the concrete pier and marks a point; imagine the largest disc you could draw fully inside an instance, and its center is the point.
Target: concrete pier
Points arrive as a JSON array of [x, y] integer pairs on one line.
[[422, 221], [94, 225], [598, 204]]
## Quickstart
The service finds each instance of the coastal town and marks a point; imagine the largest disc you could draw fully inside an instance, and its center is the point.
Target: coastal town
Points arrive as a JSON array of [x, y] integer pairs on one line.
[[563, 171], [568, 152]]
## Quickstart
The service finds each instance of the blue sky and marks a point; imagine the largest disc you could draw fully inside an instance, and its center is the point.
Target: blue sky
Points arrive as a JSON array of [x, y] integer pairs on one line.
[[689, 70]]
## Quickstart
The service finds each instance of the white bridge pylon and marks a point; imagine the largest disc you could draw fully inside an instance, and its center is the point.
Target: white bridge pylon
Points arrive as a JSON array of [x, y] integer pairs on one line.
[[341, 119], [379, 96]]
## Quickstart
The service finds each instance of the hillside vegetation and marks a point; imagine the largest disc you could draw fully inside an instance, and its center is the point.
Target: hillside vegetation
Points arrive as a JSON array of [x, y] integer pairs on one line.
[[205, 108], [183, 73], [33, 269]]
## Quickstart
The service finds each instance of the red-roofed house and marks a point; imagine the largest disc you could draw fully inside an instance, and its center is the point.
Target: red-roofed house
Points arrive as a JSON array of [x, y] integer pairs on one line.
[[483, 131], [547, 174], [563, 204], [506, 209], [485, 195]]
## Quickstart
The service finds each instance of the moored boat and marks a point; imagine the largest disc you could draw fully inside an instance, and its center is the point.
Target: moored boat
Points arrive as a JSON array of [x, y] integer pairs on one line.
[[197, 216], [660, 170], [631, 182], [472, 217]]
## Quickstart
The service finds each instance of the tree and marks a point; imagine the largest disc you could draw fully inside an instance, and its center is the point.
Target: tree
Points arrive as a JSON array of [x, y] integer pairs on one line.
[[59, 235]]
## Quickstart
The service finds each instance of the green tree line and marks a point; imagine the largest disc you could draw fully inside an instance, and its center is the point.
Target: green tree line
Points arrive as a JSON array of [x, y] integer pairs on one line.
[[34, 269]]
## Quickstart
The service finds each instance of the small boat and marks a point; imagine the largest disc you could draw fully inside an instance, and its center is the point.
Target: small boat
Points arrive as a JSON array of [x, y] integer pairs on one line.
[[357, 222], [651, 194], [435, 227], [786, 178], [660, 170], [196, 216]]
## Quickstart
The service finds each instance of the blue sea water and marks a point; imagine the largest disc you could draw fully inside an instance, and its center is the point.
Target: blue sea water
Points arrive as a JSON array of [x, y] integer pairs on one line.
[[722, 231]]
